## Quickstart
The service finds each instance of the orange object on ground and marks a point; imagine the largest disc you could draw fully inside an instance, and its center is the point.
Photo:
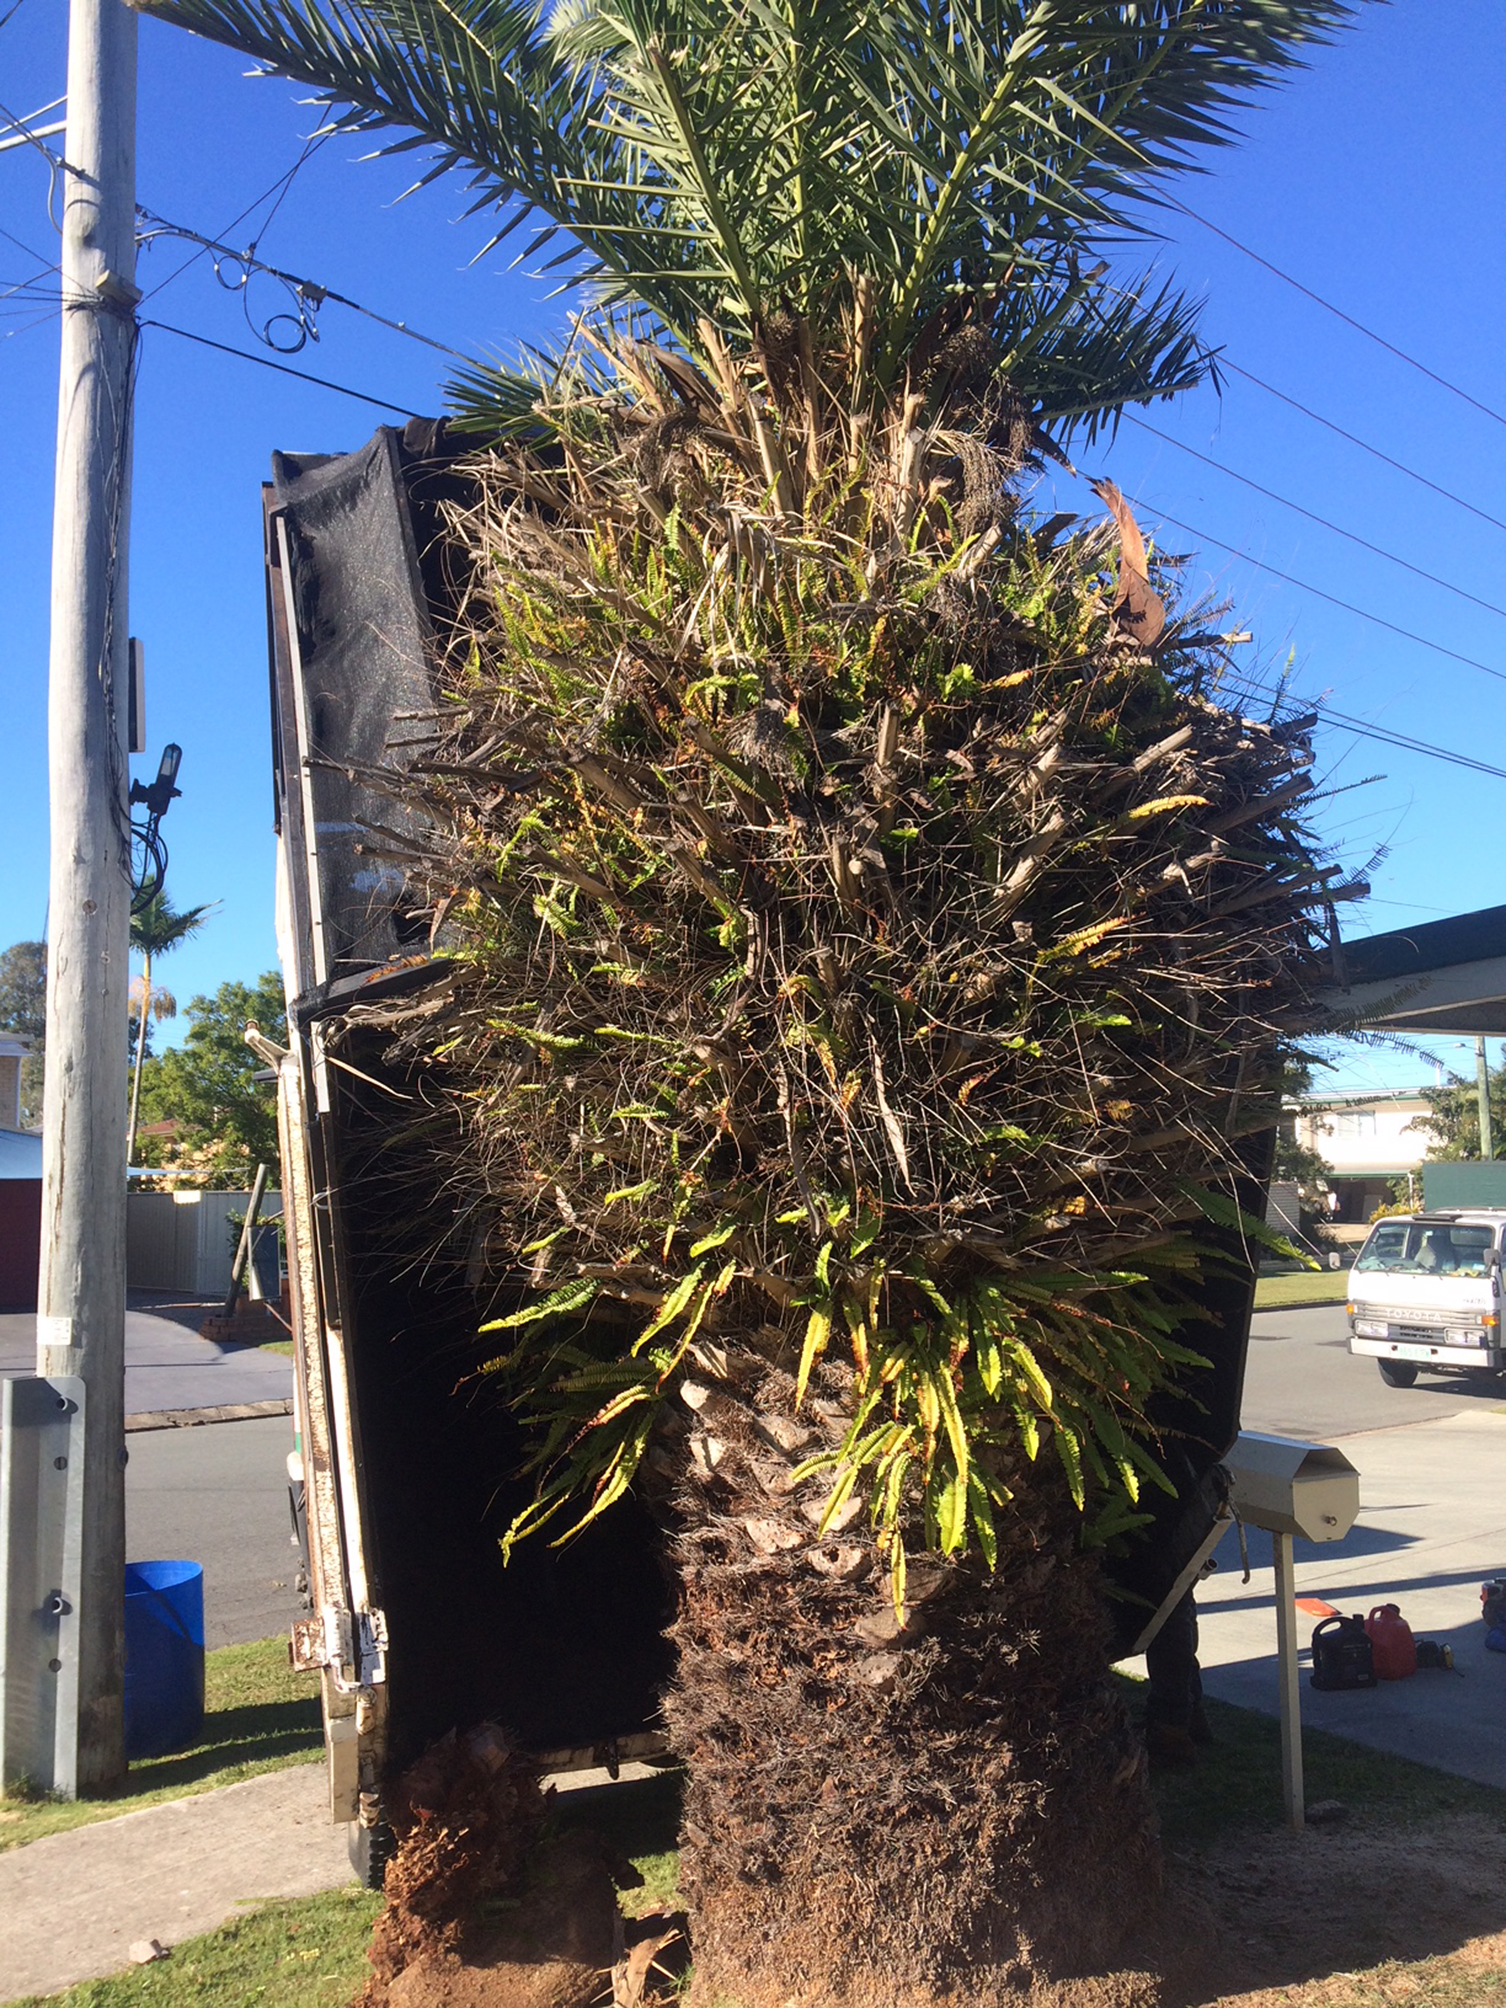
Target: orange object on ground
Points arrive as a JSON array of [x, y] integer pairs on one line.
[[1392, 1643]]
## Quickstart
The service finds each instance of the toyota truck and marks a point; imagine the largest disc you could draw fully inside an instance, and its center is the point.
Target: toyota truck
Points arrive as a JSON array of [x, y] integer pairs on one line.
[[1425, 1291]]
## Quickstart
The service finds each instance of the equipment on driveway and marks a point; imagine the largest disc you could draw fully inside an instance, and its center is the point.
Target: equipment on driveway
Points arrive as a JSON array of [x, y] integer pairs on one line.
[[1343, 1656], [1391, 1638]]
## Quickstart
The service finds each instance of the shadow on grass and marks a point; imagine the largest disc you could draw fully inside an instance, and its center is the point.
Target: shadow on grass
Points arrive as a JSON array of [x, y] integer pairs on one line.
[[638, 1817], [238, 1742], [1237, 1780], [260, 1732]]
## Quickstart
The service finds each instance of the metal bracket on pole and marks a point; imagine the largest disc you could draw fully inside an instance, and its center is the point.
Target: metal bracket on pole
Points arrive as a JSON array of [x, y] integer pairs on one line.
[[41, 1552]]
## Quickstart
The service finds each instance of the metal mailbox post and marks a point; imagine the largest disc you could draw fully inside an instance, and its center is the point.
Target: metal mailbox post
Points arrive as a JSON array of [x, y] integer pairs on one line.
[[1290, 1487]]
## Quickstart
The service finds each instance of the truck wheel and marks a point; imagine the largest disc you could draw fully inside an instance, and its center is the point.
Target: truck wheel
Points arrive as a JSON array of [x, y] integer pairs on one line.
[[370, 1848], [1397, 1373]]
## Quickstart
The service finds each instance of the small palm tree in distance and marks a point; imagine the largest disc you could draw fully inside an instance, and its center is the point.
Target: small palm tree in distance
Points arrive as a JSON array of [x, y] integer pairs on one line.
[[157, 930]]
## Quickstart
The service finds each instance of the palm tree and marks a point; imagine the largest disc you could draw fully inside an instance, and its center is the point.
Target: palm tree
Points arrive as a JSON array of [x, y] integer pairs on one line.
[[157, 930], [867, 991]]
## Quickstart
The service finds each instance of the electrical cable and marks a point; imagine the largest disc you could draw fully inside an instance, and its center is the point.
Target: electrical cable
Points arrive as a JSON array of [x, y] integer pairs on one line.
[[1338, 312], [1222, 364], [1235, 369], [281, 188], [283, 369], [309, 292], [1406, 634], [30, 249], [30, 287], [1411, 745], [1312, 516]]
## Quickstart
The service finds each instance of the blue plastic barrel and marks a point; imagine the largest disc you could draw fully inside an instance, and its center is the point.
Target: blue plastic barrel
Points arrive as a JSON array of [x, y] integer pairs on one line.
[[164, 1657]]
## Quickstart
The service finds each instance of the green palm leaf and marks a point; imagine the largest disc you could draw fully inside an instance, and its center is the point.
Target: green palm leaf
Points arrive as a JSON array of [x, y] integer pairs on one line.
[[718, 163]]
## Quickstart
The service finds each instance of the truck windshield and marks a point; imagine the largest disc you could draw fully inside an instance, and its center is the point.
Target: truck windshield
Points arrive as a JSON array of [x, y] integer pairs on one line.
[[1414, 1248]]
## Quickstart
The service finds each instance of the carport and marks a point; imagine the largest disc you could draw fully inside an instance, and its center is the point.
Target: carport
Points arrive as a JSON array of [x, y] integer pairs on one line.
[[1444, 976]]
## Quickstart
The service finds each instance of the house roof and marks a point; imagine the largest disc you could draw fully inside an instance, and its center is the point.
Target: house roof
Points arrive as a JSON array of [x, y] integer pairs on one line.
[[20, 1153], [1341, 1100]]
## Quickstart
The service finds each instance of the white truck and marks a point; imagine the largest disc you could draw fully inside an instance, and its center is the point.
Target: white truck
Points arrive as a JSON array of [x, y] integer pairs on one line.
[[1425, 1291]]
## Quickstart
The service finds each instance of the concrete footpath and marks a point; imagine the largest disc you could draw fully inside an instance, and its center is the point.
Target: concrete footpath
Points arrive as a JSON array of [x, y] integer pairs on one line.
[[1431, 1529], [72, 1905]]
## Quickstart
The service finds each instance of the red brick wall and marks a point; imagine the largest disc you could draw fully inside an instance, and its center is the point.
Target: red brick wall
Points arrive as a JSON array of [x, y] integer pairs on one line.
[[20, 1242]]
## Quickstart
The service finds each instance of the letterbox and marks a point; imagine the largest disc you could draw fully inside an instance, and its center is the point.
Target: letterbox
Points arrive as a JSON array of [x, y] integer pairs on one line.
[[1292, 1487]]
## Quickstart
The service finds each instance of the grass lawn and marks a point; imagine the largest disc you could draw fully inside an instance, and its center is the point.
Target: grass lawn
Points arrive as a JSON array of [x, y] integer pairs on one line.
[[311, 1953], [1326, 1286], [1238, 1781], [258, 1716]]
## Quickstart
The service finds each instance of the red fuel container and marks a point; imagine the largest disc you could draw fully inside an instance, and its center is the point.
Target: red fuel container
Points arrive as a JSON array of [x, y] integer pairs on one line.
[[1391, 1642]]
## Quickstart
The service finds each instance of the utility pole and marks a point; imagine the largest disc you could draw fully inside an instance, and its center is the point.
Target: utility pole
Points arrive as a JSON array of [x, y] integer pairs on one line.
[[1482, 1090], [81, 1302]]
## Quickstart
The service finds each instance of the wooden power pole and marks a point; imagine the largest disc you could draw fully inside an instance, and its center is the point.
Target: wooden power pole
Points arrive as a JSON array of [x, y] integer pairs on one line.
[[81, 1301]]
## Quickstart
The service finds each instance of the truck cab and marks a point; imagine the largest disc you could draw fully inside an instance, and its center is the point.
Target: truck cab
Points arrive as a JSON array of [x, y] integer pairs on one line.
[[1425, 1291]]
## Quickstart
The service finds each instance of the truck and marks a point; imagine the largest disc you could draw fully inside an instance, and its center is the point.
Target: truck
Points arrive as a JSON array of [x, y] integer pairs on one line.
[[1425, 1291]]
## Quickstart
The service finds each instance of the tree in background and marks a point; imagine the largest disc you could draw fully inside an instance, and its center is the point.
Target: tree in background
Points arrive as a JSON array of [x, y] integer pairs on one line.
[[156, 930], [1296, 1162], [1452, 1123], [224, 1120], [23, 1011]]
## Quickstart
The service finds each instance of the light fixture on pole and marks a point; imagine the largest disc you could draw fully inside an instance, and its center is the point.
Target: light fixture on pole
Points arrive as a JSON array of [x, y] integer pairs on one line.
[[155, 797]]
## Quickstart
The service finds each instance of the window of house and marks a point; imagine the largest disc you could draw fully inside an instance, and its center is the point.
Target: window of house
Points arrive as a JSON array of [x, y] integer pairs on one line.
[[1353, 1122]]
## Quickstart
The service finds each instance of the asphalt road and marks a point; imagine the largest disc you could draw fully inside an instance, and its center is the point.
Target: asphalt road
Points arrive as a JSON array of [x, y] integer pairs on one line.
[[217, 1494], [1302, 1380], [168, 1366]]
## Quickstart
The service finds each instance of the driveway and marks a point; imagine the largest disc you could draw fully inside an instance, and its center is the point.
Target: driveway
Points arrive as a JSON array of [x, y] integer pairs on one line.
[[1431, 1528], [168, 1366]]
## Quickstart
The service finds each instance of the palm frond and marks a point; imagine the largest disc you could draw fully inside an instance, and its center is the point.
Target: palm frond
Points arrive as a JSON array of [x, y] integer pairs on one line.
[[718, 163]]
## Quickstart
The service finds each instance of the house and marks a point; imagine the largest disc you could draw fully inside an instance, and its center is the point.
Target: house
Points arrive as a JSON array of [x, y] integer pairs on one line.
[[1367, 1140], [20, 1186]]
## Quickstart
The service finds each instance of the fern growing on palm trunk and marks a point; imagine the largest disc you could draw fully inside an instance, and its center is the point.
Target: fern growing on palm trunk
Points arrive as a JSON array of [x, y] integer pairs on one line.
[[880, 939], [878, 942]]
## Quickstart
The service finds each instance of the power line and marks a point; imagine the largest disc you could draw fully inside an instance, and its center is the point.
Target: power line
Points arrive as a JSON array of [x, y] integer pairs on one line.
[[284, 369], [1312, 516], [1410, 745], [1338, 312], [1364, 445], [309, 293], [281, 188], [1347, 606], [1247, 691]]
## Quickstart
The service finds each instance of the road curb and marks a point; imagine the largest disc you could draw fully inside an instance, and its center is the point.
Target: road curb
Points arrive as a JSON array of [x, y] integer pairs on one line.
[[1307, 1304], [189, 1418]]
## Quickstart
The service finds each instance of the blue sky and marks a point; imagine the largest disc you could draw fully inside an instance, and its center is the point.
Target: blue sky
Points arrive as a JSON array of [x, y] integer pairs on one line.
[[1373, 178]]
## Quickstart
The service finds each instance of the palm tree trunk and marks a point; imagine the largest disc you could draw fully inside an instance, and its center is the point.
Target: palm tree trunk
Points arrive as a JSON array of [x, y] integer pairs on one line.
[[881, 1811], [146, 1009]]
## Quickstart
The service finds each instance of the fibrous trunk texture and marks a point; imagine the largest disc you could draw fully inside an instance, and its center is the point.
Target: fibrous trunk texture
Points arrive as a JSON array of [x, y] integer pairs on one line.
[[882, 1807]]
